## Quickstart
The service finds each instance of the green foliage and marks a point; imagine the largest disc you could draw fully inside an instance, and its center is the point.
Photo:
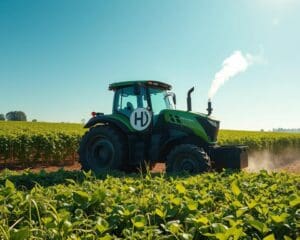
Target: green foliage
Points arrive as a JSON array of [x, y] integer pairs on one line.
[[28, 143], [16, 116], [208, 206], [25, 143], [272, 141]]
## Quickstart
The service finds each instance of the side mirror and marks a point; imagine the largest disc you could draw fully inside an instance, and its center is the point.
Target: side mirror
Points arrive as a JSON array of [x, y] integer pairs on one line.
[[169, 94]]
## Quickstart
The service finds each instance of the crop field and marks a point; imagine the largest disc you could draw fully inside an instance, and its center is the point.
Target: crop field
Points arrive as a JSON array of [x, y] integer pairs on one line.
[[28, 144], [77, 205], [272, 141]]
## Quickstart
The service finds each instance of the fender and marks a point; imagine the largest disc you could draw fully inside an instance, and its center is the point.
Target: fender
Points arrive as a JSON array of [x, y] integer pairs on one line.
[[181, 137], [104, 119]]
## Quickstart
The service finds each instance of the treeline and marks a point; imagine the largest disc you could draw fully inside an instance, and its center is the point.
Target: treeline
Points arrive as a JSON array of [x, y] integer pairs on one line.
[[13, 116], [288, 130]]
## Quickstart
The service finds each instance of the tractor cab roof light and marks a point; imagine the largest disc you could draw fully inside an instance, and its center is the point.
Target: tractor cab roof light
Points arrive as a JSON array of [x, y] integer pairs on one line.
[[153, 83]]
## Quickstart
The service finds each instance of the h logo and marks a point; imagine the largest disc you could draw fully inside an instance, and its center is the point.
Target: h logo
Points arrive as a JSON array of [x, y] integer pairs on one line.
[[140, 119], [143, 118]]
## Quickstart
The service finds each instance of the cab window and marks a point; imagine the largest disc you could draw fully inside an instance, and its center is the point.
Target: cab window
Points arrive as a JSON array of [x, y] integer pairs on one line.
[[130, 98], [159, 100]]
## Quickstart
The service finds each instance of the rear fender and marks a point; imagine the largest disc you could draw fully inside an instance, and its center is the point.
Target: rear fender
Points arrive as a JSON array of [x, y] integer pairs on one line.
[[105, 120]]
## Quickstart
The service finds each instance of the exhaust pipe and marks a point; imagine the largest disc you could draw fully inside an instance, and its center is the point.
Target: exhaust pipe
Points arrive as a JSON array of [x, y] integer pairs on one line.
[[209, 108], [189, 99]]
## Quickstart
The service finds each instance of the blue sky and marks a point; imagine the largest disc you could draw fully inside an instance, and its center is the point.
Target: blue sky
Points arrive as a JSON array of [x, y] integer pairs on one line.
[[58, 57]]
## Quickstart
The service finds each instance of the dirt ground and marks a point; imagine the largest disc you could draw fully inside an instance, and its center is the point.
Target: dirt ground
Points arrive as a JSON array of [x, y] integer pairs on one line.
[[292, 167], [159, 167], [287, 160]]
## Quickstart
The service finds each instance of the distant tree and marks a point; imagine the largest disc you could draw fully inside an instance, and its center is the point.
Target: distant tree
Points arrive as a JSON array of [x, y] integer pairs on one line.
[[34, 120], [16, 116], [2, 117]]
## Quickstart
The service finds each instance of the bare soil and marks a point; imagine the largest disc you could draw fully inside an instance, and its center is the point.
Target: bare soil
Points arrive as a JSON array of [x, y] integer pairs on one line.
[[293, 167], [257, 161], [73, 167]]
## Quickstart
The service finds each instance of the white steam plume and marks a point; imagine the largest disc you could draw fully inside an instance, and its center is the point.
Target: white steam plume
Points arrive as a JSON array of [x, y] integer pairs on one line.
[[231, 66]]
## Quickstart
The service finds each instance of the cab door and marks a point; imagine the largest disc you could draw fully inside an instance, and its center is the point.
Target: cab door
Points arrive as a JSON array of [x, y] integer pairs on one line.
[[160, 131], [133, 103]]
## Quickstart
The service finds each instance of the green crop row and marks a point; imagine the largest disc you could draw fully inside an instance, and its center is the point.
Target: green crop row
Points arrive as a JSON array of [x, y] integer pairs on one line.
[[208, 206], [28, 143], [272, 141]]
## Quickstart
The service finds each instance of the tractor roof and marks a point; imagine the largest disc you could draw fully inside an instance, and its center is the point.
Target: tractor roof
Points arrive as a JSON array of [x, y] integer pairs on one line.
[[148, 83]]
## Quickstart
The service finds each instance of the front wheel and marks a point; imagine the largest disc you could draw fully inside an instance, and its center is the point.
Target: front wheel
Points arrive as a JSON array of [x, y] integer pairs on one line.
[[187, 158], [102, 148]]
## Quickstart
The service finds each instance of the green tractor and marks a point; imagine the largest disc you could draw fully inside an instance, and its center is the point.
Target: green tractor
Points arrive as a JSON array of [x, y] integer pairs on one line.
[[145, 128]]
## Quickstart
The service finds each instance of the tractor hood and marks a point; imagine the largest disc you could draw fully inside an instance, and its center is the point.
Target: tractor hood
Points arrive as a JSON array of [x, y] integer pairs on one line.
[[201, 124]]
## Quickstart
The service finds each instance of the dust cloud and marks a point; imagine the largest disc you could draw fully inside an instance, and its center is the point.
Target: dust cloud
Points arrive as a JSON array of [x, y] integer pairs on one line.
[[266, 160]]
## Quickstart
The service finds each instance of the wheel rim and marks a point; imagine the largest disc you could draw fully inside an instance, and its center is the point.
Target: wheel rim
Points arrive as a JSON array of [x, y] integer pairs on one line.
[[101, 153], [185, 162], [188, 165]]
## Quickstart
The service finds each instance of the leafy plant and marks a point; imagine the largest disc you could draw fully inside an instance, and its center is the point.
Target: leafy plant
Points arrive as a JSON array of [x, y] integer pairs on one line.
[[209, 206]]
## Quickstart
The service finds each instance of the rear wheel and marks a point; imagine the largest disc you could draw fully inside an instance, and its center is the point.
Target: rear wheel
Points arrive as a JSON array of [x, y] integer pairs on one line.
[[187, 158], [102, 148]]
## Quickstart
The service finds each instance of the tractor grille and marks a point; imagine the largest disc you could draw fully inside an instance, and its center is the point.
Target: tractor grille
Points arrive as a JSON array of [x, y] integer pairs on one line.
[[211, 127]]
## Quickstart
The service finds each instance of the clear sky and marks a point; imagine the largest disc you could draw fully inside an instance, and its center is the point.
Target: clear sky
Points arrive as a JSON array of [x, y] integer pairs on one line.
[[58, 57]]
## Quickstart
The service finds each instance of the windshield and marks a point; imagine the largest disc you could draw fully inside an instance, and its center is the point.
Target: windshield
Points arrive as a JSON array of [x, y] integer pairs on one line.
[[160, 100]]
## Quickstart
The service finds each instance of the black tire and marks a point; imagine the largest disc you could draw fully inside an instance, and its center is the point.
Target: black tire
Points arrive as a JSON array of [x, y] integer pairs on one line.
[[101, 149], [187, 158]]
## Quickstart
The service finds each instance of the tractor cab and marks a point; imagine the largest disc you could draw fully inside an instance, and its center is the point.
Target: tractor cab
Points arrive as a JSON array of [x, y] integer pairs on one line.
[[152, 96]]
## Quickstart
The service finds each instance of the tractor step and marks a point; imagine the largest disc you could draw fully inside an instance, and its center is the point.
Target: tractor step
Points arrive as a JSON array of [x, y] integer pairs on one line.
[[229, 156]]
